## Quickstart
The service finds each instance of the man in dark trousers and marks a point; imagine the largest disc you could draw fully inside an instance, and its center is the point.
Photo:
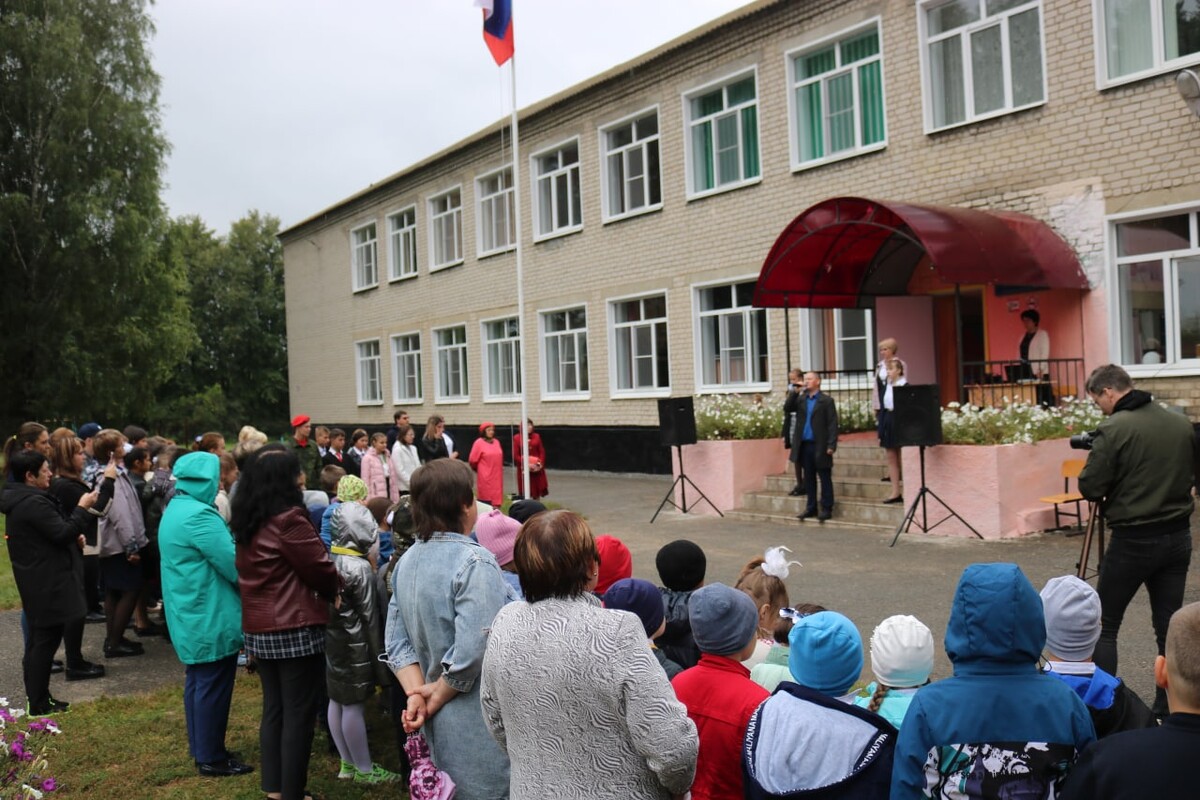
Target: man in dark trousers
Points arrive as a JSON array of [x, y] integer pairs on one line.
[[814, 440], [1152, 762], [1140, 471]]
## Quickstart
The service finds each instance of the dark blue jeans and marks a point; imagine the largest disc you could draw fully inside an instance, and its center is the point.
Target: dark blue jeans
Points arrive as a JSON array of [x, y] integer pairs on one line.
[[207, 692], [1161, 563], [808, 457]]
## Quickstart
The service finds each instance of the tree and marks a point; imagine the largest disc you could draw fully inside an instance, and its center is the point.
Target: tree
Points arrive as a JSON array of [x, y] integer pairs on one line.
[[236, 371], [94, 321]]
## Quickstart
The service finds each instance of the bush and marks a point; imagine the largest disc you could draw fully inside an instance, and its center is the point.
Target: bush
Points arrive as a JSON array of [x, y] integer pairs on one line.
[[724, 417], [1017, 422]]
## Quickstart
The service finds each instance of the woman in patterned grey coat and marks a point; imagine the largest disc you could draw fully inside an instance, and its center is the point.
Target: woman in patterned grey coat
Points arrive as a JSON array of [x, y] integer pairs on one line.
[[571, 690]]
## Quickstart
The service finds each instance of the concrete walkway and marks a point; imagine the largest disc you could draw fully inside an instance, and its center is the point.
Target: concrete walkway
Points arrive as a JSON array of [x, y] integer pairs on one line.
[[849, 570]]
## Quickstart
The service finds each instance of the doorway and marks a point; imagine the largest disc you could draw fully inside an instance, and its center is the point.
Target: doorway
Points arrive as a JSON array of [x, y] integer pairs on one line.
[[973, 345]]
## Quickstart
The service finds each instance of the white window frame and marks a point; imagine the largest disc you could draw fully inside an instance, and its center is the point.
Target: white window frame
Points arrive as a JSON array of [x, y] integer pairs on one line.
[[746, 313], [964, 32], [606, 191], [1158, 49], [454, 214], [1172, 364], [536, 176], [790, 71], [366, 248], [485, 213], [463, 358], [362, 364], [812, 352], [511, 343], [401, 359], [633, 393], [689, 156], [581, 370], [402, 245]]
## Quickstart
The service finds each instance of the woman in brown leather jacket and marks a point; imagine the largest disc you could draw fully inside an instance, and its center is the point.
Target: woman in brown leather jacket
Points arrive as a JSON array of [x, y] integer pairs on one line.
[[286, 581]]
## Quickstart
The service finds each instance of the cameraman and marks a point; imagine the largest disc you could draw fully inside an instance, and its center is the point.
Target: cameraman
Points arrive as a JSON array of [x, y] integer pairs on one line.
[[1140, 471]]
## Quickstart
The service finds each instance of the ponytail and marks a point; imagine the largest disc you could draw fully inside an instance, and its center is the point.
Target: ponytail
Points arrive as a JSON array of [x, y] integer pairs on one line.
[[881, 691]]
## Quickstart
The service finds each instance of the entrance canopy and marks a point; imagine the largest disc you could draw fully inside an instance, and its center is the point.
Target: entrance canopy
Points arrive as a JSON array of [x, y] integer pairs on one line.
[[844, 251]]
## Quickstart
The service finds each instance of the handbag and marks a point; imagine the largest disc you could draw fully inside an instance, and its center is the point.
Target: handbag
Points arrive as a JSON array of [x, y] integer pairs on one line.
[[426, 782]]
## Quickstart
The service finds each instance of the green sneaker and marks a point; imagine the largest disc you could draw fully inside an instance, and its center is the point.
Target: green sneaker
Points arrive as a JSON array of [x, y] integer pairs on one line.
[[346, 772], [377, 775]]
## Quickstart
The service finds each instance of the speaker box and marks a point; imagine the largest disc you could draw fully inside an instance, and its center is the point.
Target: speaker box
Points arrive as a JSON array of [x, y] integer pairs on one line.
[[677, 421], [917, 418]]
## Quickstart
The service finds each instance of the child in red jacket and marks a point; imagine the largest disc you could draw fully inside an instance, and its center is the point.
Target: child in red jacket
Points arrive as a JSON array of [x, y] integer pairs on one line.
[[718, 692]]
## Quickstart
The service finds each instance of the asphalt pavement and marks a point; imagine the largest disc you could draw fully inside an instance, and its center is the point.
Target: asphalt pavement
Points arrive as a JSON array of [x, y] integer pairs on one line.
[[845, 569]]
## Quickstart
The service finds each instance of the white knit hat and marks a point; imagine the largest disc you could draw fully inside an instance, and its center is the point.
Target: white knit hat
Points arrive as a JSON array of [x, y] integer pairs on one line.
[[902, 652]]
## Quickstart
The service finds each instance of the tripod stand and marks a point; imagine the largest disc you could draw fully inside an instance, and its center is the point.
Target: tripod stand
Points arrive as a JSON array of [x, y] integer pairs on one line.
[[683, 481], [1095, 525], [910, 515]]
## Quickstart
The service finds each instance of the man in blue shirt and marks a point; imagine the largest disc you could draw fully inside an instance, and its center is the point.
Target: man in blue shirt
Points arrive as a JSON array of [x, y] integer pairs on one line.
[[816, 423]]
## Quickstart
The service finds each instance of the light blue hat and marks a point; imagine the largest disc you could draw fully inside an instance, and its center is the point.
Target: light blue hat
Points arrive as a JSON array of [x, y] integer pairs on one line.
[[826, 653]]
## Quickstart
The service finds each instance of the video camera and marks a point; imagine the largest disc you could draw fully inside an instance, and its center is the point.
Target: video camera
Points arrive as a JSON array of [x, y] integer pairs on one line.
[[1083, 441]]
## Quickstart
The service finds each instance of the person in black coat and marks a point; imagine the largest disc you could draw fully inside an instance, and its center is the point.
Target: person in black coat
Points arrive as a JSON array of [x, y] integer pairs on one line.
[[814, 440], [432, 446], [45, 546], [791, 404]]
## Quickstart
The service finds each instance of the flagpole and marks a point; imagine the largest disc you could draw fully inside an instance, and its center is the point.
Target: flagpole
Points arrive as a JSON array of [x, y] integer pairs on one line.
[[516, 173]]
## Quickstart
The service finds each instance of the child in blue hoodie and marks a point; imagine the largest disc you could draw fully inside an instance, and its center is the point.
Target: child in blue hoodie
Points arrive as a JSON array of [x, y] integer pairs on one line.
[[999, 727]]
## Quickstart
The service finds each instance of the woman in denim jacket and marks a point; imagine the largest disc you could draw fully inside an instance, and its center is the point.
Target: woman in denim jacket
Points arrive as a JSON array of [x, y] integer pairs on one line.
[[446, 592]]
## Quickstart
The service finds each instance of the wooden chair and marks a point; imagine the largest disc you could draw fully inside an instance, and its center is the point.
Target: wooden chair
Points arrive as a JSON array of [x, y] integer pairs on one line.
[[1070, 469]]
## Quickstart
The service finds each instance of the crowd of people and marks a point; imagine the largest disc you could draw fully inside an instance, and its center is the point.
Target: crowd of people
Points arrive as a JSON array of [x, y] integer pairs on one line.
[[519, 657]]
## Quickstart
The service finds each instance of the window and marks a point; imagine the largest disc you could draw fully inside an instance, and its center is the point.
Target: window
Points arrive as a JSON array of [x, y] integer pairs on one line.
[[632, 176], [369, 391], [362, 255], [837, 98], [722, 136], [406, 368], [1158, 289], [496, 219], [556, 179], [982, 58], [837, 340], [1142, 37], [402, 234], [445, 219], [639, 346], [732, 337], [502, 359], [450, 349], [565, 352]]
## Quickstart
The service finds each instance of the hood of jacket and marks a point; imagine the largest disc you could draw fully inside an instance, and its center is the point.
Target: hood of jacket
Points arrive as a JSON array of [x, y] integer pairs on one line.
[[198, 475], [996, 621], [353, 526], [12, 493]]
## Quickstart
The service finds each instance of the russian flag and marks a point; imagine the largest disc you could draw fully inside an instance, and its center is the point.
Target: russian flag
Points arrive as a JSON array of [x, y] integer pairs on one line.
[[497, 28]]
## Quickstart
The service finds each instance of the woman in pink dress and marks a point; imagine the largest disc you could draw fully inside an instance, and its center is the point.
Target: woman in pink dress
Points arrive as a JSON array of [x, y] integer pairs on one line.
[[538, 485], [487, 459]]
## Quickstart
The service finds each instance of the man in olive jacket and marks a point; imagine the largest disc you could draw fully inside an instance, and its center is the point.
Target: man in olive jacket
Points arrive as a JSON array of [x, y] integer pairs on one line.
[[202, 607], [1140, 470]]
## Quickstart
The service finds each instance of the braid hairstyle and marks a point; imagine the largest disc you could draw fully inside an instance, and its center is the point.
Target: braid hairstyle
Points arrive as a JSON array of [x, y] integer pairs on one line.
[[881, 691]]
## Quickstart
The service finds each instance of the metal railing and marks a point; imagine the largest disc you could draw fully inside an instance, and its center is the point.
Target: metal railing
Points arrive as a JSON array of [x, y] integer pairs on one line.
[[999, 383], [851, 389]]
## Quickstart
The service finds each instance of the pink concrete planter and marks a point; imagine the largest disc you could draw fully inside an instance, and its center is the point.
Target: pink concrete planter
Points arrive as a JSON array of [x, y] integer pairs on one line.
[[726, 470], [994, 487]]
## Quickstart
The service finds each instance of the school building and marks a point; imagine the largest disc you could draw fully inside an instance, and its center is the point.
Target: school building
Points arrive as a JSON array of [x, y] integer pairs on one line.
[[959, 163]]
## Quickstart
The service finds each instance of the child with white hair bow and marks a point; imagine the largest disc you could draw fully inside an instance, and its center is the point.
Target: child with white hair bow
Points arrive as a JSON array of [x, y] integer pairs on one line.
[[762, 578]]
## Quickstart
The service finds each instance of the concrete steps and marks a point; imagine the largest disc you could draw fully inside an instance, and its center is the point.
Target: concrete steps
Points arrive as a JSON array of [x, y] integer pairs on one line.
[[857, 489]]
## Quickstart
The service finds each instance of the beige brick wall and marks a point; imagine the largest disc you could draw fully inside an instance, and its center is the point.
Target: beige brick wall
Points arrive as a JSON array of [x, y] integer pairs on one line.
[[1082, 154]]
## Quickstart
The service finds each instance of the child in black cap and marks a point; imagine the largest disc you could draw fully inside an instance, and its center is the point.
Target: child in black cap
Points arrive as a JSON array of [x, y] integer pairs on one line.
[[681, 565]]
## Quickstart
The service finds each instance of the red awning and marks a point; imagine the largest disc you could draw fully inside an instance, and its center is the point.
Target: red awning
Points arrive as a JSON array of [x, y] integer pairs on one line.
[[846, 250]]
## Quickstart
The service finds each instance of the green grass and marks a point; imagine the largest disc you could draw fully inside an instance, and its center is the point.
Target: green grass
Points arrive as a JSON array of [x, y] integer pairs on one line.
[[136, 746], [9, 598]]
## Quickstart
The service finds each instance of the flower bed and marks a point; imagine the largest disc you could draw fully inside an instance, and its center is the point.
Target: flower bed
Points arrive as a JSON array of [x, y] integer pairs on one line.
[[1017, 422], [726, 417], [24, 770]]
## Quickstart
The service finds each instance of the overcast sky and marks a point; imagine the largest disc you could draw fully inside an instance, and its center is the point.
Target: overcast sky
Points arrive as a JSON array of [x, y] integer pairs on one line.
[[288, 106]]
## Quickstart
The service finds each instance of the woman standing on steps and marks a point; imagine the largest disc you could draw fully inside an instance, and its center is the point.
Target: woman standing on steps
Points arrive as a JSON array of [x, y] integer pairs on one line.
[[887, 428]]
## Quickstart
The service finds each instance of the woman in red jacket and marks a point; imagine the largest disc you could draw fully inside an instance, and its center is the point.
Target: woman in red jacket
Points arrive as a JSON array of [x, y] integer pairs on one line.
[[538, 485], [287, 582]]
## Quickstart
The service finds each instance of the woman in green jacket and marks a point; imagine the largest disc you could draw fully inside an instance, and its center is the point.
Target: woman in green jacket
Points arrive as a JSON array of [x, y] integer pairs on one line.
[[203, 608]]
